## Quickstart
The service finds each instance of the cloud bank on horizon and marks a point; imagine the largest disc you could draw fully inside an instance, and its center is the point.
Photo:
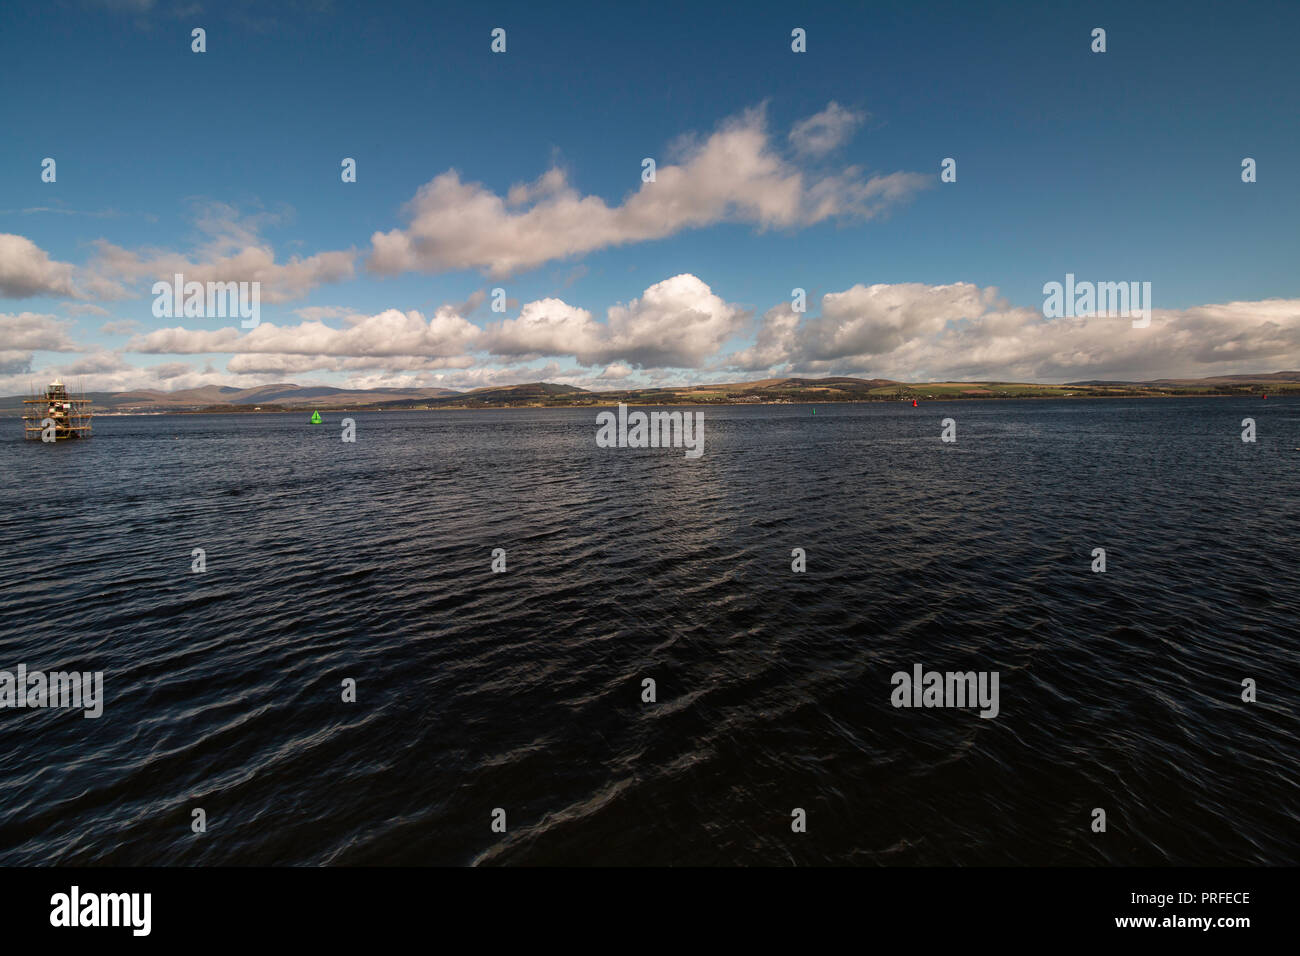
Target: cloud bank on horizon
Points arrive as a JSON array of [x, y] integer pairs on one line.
[[652, 286], [679, 330]]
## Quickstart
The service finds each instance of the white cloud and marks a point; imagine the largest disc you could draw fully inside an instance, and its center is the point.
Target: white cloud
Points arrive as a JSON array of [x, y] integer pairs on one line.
[[29, 330], [907, 331], [823, 132], [774, 342], [165, 377], [676, 323], [278, 364], [27, 270], [734, 175], [919, 332], [280, 282], [616, 372], [13, 362], [679, 322], [232, 250], [873, 320], [95, 363], [545, 327], [389, 333]]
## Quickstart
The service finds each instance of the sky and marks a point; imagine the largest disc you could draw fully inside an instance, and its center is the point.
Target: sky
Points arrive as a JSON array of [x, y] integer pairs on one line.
[[523, 171]]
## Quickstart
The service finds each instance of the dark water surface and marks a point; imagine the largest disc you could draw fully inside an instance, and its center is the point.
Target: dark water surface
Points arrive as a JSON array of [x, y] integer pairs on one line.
[[522, 690]]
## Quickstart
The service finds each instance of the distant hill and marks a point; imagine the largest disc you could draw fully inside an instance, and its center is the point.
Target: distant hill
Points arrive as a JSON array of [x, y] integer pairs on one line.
[[190, 399], [1232, 379], [324, 394], [541, 394], [533, 393], [1261, 378], [771, 389]]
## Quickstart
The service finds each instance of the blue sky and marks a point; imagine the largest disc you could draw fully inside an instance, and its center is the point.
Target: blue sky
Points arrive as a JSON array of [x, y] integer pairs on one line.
[[1115, 166]]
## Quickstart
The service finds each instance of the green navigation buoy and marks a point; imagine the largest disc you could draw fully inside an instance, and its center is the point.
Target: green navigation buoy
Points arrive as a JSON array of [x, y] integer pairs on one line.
[[814, 411], [315, 418]]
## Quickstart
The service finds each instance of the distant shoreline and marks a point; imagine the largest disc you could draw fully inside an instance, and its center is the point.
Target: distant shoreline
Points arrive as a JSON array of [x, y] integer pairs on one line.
[[308, 409], [832, 390]]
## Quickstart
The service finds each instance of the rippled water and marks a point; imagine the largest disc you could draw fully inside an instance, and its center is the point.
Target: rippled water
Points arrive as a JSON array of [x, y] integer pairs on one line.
[[522, 690]]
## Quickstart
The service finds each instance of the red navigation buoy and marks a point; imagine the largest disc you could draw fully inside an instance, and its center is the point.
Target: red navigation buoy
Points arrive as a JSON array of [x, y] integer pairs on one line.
[[914, 401]]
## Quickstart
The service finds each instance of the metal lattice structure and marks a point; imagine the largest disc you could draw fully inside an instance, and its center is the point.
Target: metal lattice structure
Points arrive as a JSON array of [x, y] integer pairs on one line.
[[70, 417]]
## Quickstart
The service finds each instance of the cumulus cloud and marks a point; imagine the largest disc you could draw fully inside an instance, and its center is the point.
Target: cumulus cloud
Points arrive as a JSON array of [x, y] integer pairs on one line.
[[677, 323], [280, 365], [95, 363], [774, 343], [544, 327], [389, 333], [281, 281], [907, 331], [912, 331], [873, 320], [27, 270], [29, 330], [165, 377], [734, 175], [1221, 339], [169, 371], [13, 362], [616, 372]]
